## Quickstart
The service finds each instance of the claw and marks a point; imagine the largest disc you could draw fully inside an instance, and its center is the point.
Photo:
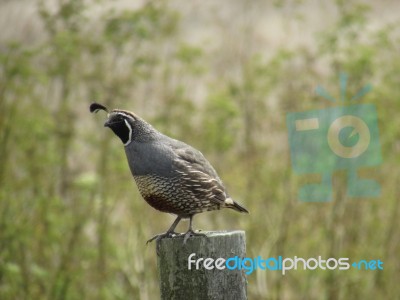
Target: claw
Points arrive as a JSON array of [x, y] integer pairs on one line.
[[158, 237], [168, 234], [190, 233]]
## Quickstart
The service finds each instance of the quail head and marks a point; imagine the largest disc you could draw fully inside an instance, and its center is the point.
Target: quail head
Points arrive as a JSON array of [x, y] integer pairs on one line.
[[171, 176]]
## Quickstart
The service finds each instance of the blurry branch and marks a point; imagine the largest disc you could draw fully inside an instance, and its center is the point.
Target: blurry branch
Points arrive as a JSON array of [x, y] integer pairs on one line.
[[15, 73]]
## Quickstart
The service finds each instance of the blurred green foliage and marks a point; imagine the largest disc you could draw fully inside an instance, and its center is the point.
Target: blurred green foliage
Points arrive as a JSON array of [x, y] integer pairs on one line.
[[72, 224]]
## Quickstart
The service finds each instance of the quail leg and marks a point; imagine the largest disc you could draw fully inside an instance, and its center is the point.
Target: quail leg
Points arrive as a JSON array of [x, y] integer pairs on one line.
[[191, 232], [170, 232]]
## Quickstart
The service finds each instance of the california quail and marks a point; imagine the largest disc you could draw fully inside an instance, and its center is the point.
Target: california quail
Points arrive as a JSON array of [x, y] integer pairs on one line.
[[172, 176]]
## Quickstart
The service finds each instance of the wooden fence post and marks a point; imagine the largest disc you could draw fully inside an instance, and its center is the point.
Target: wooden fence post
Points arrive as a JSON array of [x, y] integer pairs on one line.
[[178, 282]]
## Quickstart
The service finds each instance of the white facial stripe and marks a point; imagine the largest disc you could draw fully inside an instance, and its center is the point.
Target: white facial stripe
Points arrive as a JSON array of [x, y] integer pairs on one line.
[[126, 115], [130, 132]]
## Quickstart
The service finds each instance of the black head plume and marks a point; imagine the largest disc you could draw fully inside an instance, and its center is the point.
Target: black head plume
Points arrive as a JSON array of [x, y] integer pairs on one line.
[[95, 107]]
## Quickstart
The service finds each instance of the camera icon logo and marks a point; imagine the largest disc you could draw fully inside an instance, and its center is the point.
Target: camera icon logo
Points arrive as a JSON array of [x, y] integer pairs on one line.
[[344, 137], [338, 143]]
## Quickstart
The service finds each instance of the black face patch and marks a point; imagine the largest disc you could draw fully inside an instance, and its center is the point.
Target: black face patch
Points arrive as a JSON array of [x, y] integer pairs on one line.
[[120, 125], [120, 128]]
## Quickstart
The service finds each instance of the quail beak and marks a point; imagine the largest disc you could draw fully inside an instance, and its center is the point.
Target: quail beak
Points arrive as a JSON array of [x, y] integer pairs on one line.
[[107, 124]]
